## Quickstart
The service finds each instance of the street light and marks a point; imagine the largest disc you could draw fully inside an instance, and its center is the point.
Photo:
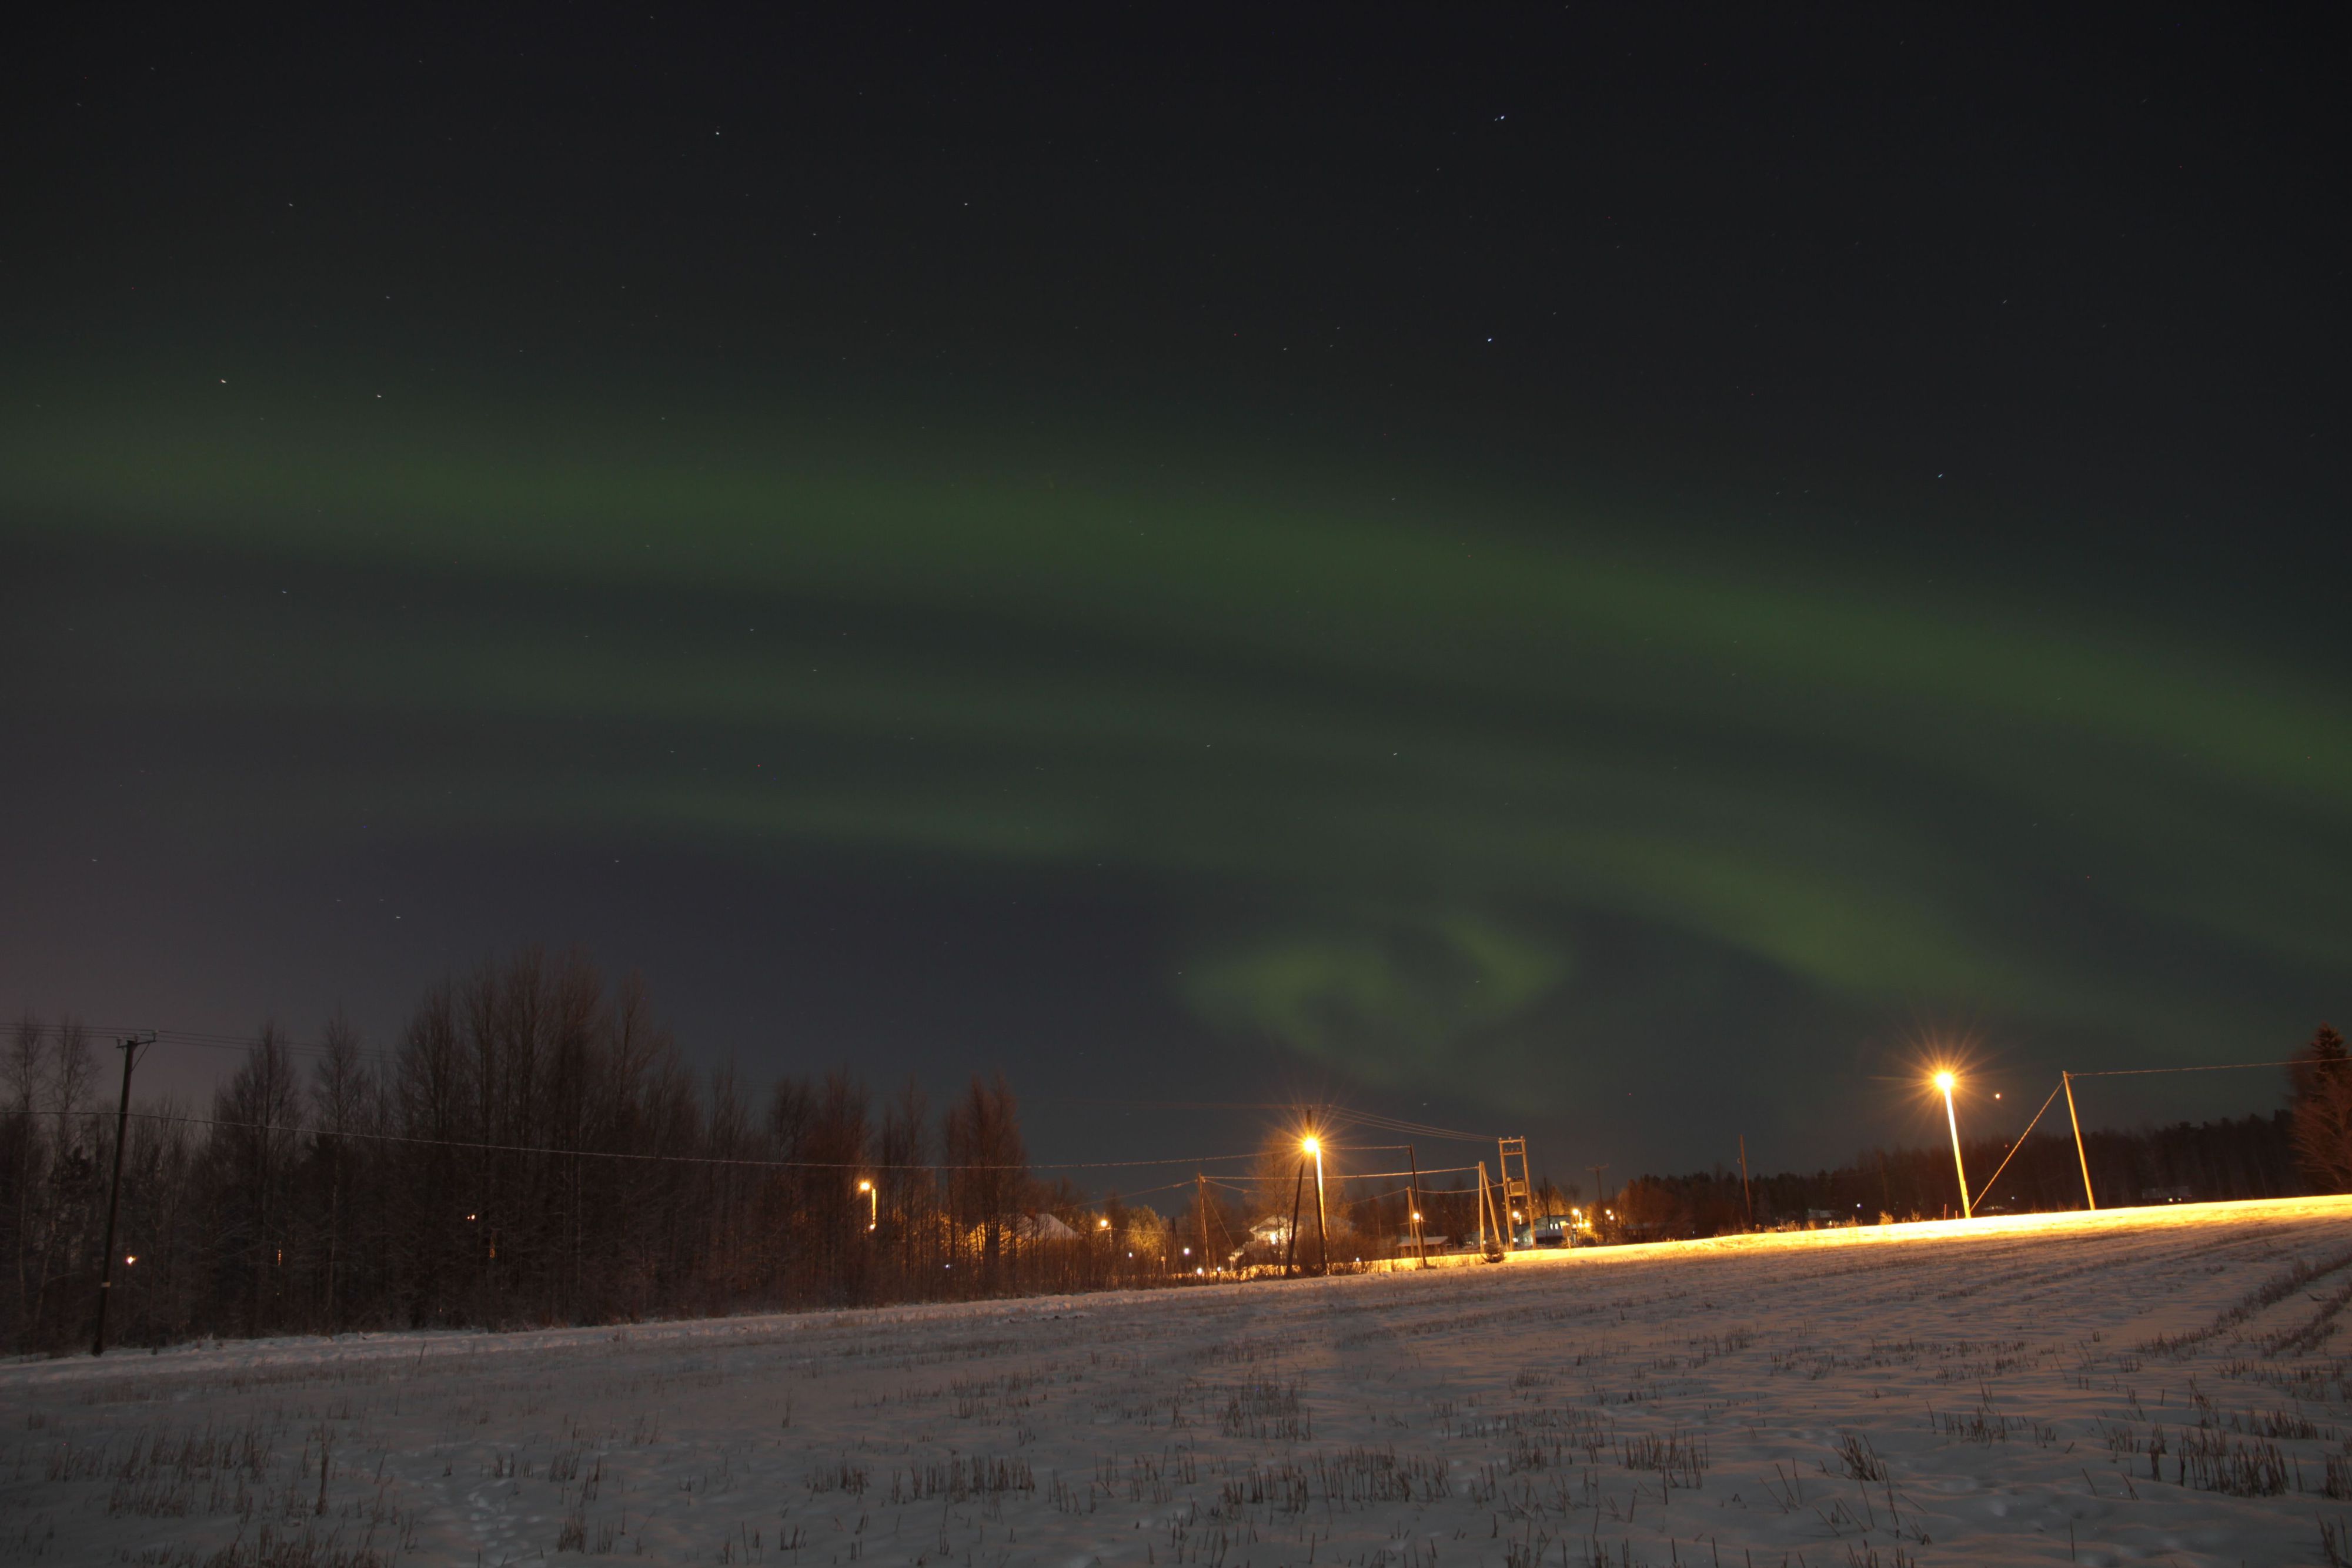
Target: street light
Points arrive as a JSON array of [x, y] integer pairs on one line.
[[1314, 1146], [873, 1204], [1943, 1081]]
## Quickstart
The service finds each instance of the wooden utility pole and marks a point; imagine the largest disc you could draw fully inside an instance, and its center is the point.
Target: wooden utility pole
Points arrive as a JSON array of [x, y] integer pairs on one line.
[[1514, 1195], [1201, 1177], [1598, 1193], [2088, 1195], [1746, 1196], [130, 1049], [1491, 1243], [1420, 1243], [1482, 1206]]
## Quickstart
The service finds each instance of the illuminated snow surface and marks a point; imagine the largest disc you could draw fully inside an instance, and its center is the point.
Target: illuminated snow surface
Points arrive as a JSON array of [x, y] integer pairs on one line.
[[2152, 1384]]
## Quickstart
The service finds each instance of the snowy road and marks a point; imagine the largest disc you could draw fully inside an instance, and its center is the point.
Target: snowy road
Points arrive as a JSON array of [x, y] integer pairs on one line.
[[2156, 1385]]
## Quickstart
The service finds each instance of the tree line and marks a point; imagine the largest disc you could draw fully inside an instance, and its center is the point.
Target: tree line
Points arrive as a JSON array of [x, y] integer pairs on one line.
[[2303, 1148], [533, 1150]]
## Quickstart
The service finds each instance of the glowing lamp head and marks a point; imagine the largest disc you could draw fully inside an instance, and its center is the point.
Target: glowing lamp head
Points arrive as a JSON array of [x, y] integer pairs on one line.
[[1944, 1081], [865, 1186], [1312, 1145]]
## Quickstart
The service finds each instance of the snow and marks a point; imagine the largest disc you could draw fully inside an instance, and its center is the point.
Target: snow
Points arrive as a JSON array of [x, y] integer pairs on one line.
[[2037, 1389]]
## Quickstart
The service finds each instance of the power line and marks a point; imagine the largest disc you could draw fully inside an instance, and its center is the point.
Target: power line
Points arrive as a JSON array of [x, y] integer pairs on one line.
[[219, 1040], [2018, 1145], [1235, 1183], [1395, 1125], [213, 1039], [208, 1040], [2218, 1067], [300, 1129], [556, 1152], [1337, 1115]]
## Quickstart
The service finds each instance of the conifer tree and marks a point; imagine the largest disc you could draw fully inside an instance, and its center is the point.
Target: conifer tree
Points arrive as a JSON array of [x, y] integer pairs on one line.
[[2320, 1101]]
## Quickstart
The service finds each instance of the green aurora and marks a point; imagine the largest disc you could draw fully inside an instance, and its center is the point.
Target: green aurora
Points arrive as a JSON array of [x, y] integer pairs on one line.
[[1392, 761]]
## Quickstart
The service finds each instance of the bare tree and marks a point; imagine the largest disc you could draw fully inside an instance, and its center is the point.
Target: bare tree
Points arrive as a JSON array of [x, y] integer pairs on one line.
[[72, 1078], [908, 1196], [25, 1073], [344, 1092], [729, 1139], [839, 1155], [258, 1117], [536, 1149], [429, 1104], [64, 1236], [989, 1164]]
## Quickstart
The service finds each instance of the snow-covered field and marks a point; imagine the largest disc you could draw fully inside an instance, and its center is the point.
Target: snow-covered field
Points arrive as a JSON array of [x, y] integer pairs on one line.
[[2149, 1384]]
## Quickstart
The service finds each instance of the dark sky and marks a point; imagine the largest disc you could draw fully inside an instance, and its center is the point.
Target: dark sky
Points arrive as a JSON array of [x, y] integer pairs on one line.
[[1617, 577]]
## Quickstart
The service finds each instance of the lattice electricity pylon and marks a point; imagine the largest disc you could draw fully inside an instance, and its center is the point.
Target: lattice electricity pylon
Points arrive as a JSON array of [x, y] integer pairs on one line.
[[1518, 1198]]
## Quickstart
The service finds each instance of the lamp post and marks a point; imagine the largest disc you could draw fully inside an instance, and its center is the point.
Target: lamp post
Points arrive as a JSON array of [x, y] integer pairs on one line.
[[1322, 1230], [1944, 1081], [873, 1204]]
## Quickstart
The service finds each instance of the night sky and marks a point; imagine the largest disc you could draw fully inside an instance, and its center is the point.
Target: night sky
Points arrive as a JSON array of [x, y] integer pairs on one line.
[[1620, 578]]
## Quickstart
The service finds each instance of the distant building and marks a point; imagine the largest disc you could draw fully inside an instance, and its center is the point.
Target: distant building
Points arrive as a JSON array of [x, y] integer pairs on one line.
[[1042, 1228]]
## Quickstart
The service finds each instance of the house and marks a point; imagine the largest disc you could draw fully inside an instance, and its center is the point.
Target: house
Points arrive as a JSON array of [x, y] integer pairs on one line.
[[1042, 1228]]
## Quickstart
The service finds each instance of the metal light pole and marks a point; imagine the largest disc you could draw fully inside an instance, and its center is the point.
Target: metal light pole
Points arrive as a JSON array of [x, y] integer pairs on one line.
[[873, 1205], [1944, 1081], [1322, 1228], [1290, 1250], [130, 1049]]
